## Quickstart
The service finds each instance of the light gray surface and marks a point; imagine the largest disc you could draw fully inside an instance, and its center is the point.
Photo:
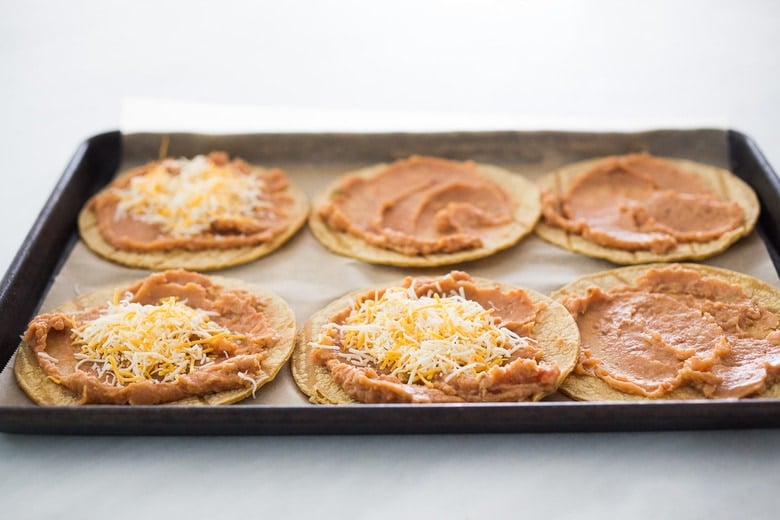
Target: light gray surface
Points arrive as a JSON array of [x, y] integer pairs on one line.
[[65, 68]]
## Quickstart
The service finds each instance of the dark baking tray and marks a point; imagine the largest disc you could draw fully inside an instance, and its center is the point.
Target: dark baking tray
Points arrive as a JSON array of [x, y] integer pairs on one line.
[[95, 163]]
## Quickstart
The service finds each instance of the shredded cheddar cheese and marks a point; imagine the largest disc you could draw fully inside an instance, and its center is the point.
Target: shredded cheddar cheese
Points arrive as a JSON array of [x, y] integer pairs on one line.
[[131, 342], [183, 196], [419, 338]]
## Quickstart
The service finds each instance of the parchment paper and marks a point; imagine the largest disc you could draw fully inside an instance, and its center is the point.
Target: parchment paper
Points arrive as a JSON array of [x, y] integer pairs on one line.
[[308, 276]]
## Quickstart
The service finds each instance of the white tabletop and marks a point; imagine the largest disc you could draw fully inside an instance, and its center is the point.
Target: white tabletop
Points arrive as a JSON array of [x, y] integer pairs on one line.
[[66, 67]]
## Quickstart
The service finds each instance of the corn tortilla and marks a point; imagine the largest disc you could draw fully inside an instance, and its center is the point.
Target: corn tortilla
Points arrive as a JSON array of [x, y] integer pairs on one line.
[[44, 391], [194, 260], [726, 186], [554, 330], [590, 388], [523, 193]]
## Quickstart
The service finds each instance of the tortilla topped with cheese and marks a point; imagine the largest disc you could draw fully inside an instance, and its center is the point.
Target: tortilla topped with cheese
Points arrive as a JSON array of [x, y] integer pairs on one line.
[[203, 213], [426, 340], [174, 337]]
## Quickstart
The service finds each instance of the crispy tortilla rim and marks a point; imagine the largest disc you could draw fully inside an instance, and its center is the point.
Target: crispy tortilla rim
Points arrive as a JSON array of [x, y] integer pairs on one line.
[[202, 260], [555, 331], [726, 186], [44, 391], [591, 388], [524, 194]]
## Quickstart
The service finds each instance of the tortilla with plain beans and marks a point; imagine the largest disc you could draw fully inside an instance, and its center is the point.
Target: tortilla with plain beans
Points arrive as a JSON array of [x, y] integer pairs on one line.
[[723, 184], [44, 390], [584, 386], [553, 330], [523, 193], [187, 256]]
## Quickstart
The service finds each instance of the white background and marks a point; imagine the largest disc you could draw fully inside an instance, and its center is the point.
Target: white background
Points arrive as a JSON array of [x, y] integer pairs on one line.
[[65, 68]]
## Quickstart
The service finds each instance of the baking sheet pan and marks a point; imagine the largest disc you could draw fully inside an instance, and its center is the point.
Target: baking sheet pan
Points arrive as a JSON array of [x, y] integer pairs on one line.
[[53, 266]]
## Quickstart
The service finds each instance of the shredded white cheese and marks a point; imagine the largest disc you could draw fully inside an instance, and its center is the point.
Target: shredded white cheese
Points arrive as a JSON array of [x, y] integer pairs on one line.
[[250, 379], [131, 342], [184, 196], [48, 357], [419, 338]]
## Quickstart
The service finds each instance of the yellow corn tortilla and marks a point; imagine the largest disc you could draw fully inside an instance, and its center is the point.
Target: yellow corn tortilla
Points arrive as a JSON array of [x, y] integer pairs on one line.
[[589, 388], [523, 193], [555, 331], [201, 260], [44, 391], [726, 185]]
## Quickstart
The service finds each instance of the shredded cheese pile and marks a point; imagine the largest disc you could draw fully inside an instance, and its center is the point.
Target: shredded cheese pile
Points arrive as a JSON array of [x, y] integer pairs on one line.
[[185, 203], [419, 338], [131, 342]]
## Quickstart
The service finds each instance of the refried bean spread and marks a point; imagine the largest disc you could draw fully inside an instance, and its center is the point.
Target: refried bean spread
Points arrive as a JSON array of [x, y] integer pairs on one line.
[[640, 202], [436, 340], [218, 340], [207, 202], [676, 327], [419, 206]]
